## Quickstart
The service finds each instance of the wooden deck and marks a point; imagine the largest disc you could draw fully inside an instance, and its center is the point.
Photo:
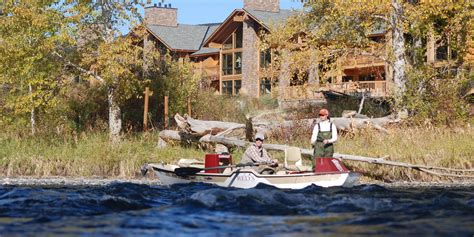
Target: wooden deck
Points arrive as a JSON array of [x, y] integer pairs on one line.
[[308, 92]]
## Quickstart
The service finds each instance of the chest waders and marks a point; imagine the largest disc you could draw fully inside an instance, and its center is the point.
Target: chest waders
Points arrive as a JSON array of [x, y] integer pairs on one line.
[[321, 149]]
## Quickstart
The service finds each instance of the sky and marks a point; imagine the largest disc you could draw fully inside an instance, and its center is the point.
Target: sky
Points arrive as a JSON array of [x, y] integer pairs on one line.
[[212, 11]]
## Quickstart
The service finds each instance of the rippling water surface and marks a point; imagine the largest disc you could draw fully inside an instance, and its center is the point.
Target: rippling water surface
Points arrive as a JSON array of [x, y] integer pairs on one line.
[[126, 209]]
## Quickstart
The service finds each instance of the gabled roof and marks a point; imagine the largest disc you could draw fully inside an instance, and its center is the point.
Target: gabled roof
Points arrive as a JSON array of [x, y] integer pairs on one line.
[[267, 19], [183, 37], [264, 18]]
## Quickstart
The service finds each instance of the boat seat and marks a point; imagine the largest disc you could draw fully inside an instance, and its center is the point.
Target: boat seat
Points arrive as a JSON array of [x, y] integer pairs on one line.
[[293, 160], [227, 171], [281, 172], [190, 163]]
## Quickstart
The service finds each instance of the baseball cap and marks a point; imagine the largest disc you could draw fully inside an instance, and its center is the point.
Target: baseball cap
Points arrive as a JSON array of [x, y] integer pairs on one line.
[[323, 112], [259, 136]]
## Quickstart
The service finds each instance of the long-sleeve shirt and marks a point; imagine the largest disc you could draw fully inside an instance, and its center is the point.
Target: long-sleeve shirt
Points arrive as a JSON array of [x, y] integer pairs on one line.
[[325, 127], [254, 154]]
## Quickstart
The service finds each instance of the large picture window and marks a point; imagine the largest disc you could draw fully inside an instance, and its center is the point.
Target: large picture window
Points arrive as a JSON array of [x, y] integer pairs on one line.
[[232, 63], [232, 54]]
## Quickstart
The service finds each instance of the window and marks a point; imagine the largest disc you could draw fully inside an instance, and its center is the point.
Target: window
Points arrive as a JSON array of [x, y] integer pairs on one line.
[[227, 64], [265, 86], [238, 38], [442, 52], [237, 86], [228, 44], [232, 53], [265, 58], [232, 63], [231, 87], [227, 87], [238, 63], [446, 45]]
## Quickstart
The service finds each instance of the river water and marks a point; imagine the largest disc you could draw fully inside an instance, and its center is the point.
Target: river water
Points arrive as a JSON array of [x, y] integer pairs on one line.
[[129, 209]]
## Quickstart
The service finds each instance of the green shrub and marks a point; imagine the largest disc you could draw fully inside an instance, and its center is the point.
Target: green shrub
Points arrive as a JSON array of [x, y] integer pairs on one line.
[[209, 105], [434, 96]]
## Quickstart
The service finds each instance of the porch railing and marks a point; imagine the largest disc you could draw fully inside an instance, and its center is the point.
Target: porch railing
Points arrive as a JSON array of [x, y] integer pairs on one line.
[[372, 88]]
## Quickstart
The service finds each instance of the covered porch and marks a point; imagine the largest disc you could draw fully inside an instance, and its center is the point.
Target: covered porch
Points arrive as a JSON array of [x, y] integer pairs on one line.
[[303, 92], [369, 80]]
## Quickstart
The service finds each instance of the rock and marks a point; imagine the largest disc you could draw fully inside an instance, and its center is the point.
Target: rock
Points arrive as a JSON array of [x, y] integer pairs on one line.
[[221, 149], [161, 143], [348, 113]]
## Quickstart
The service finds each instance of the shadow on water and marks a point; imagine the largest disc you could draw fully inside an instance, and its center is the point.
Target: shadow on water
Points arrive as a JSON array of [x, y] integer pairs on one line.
[[201, 209]]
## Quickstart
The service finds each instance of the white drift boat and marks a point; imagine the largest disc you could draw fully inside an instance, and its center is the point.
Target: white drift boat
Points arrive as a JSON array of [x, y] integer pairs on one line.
[[329, 172]]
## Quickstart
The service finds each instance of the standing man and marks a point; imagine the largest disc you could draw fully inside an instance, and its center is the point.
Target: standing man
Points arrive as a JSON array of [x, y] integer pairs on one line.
[[324, 136]]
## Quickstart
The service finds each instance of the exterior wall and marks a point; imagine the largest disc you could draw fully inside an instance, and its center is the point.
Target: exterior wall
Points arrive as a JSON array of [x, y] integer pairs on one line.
[[263, 5], [250, 81], [284, 75], [163, 16]]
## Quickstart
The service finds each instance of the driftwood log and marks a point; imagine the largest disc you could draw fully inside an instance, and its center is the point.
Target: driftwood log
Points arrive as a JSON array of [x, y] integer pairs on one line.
[[203, 127]]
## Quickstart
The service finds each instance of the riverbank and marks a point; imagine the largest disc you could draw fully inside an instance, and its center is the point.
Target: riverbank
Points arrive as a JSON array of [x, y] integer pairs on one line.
[[72, 181], [91, 154], [98, 181]]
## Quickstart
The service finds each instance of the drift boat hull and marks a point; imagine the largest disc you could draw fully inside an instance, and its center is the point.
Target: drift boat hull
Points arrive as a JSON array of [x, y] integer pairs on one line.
[[249, 178]]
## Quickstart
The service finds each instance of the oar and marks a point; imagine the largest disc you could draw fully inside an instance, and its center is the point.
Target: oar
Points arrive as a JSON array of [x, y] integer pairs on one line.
[[185, 171]]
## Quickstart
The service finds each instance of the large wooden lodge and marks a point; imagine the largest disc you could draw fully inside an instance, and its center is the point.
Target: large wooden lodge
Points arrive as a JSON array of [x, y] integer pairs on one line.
[[228, 56]]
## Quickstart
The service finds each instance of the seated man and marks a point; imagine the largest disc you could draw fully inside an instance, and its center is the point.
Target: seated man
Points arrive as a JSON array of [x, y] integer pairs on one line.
[[255, 153]]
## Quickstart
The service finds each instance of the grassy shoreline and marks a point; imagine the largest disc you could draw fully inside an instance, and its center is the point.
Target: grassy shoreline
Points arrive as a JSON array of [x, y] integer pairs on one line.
[[91, 155]]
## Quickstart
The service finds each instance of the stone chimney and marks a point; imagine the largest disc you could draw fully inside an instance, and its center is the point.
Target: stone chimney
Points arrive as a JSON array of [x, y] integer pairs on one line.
[[161, 15], [263, 5]]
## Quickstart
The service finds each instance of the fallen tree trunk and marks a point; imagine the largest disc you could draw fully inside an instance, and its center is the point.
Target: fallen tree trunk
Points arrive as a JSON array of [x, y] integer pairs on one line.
[[203, 127], [178, 136], [309, 152]]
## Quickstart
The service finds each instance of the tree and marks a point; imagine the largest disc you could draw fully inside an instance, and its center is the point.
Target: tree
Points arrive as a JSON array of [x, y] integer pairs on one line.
[[115, 61], [29, 32], [332, 30], [44, 41]]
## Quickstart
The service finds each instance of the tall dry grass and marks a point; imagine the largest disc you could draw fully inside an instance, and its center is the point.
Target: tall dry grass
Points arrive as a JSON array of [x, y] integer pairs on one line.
[[91, 155], [432, 146]]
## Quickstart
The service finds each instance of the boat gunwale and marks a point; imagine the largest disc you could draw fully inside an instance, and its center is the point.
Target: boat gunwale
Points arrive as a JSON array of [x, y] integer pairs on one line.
[[157, 169]]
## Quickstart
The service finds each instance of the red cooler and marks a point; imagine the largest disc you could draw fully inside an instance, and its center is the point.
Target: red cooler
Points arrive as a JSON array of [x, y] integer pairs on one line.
[[213, 160]]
